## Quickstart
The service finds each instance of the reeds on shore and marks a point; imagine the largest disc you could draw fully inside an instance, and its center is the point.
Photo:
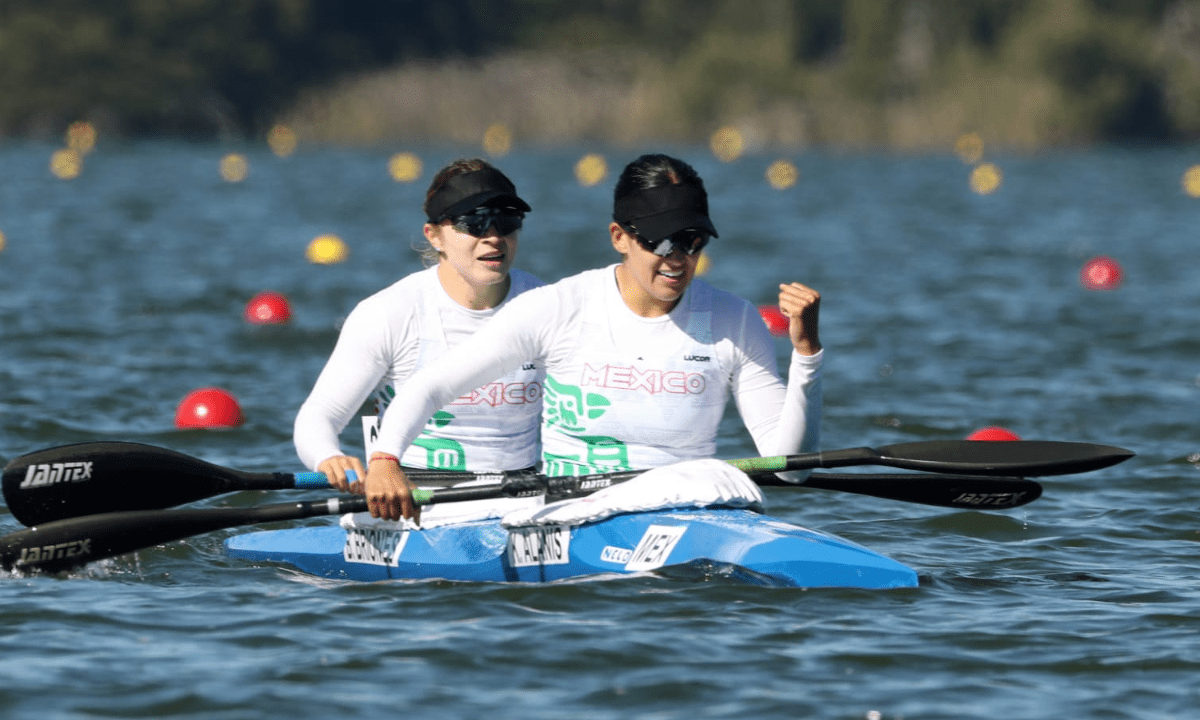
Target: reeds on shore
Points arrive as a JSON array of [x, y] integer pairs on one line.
[[1056, 78]]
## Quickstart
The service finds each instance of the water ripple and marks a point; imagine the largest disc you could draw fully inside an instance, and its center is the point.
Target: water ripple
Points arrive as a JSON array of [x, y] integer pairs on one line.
[[942, 312]]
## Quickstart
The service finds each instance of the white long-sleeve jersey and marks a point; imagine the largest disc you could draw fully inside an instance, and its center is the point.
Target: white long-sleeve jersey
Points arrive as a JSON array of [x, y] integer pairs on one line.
[[388, 337], [624, 391]]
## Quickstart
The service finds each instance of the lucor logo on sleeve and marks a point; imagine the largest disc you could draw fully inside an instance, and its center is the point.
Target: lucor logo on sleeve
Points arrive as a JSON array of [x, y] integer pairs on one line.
[[51, 473]]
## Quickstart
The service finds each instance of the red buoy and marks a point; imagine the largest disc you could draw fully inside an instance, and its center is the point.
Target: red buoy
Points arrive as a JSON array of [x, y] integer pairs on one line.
[[777, 322], [208, 408], [1101, 273], [993, 434], [268, 308]]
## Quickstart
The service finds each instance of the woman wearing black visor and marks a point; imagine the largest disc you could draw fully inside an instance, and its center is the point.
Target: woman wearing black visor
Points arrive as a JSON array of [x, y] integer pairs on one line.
[[474, 217]]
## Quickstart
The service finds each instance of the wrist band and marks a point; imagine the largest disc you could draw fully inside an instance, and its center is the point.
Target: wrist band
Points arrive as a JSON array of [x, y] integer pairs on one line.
[[384, 456]]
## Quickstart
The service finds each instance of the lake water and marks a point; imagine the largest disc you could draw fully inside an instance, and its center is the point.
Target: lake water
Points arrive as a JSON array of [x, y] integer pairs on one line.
[[943, 311]]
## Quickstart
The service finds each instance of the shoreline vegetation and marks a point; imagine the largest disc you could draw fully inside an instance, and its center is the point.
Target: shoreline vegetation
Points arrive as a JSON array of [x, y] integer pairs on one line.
[[552, 99], [905, 75], [1056, 75]]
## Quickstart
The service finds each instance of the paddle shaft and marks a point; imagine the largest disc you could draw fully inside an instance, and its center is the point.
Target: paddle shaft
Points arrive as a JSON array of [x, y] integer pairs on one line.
[[102, 477], [1024, 457], [940, 490], [64, 544]]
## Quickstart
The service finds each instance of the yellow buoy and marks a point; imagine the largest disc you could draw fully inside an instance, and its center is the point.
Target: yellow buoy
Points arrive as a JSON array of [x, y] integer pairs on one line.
[[66, 164], [405, 167], [2, 241], [282, 140], [969, 148], [234, 168], [1191, 181], [727, 144], [81, 137], [327, 250], [590, 169], [497, 141], [782, 174], [986, 179]]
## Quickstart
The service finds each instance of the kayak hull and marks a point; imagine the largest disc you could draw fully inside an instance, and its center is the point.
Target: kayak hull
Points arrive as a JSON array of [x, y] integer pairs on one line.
[[774, 552]]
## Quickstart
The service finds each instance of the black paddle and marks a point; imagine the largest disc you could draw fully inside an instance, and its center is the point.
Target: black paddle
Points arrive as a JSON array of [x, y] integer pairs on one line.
[[101, 477], [64, 544]]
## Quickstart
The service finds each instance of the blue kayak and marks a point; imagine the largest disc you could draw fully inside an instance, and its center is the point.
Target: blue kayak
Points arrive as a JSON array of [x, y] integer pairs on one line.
[[773, 552]]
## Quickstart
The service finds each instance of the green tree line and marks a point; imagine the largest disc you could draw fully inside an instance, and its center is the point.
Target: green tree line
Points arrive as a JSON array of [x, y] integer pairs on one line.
[[851, 71]]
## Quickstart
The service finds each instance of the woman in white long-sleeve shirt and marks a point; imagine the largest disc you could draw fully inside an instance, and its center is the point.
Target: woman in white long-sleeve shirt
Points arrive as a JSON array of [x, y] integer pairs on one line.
[[640, 358], [474, 220]]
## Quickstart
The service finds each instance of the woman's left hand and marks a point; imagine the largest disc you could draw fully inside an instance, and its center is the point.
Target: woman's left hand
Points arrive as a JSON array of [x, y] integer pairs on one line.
[[336, 469], [802, 306], [389, 492]]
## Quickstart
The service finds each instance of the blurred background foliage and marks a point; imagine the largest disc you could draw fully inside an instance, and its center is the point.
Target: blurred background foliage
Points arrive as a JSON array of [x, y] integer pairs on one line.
[[906, 74]]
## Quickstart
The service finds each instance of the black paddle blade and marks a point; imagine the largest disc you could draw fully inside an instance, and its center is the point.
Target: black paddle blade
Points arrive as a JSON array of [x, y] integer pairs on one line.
[[1020, 457], [102, 477], [66, 544], [964, 492]]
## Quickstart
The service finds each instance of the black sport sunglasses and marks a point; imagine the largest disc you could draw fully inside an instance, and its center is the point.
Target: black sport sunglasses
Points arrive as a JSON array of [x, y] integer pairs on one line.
[[689, 240], [506, 221]]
